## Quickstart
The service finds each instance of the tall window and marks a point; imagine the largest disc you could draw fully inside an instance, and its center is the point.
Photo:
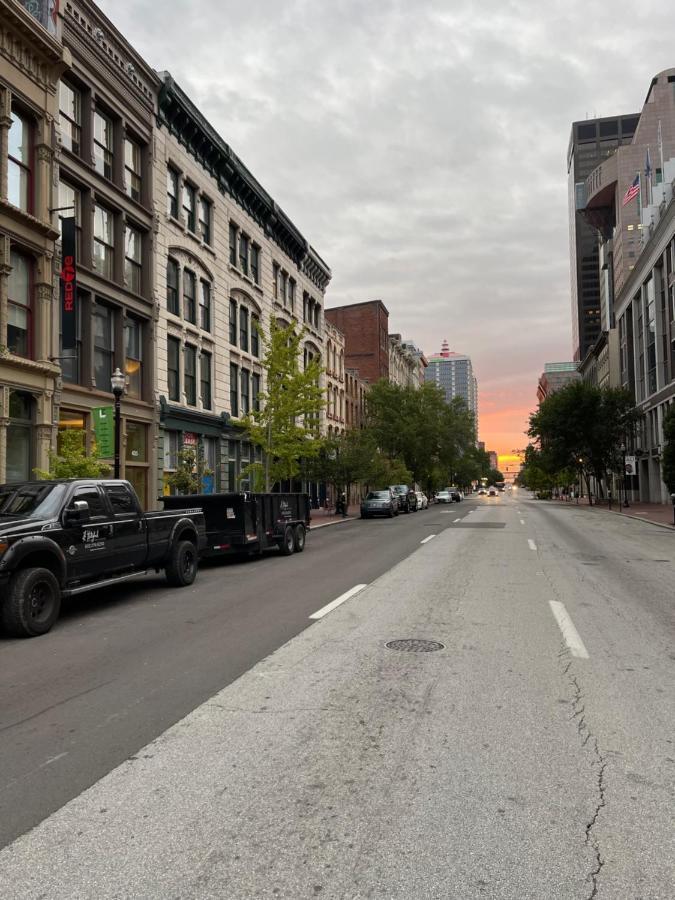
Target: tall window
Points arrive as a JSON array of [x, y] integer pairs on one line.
[[132, 169], [255, 391], [205, 219], [20, 169], [205, 306], [245, 395], [255, 263], [103, 346], [19, 306], [103, 145], [234, 389], [172, 192], [173, 368], [205, 379], [189, 297], [70, 197], [133, 357], [104, 241], [132, 259], [243, 328], [243, 253], [70, 117], [190, 374], [189, 206], [233, 244], [172, 287], [275, 280], [291, 293], [233, 322], [255, 338]]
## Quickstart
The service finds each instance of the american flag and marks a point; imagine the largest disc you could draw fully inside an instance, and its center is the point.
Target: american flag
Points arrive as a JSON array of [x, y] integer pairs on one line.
[[632, 191]]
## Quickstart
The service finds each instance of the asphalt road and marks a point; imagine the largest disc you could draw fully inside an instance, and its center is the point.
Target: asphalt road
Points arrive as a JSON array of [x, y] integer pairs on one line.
[[123, 664], [530, 756]]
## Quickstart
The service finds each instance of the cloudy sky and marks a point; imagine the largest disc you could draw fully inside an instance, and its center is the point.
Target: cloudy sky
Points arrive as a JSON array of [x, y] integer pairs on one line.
[[421, 147]]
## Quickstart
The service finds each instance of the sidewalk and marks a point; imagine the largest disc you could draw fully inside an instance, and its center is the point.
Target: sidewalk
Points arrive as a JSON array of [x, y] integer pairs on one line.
[[322, 517], [656, 513]]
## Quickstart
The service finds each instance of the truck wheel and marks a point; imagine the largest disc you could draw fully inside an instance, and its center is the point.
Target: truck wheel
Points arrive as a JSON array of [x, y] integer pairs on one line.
[[299, 538], [32, 604], [287, 545], [181, 569]]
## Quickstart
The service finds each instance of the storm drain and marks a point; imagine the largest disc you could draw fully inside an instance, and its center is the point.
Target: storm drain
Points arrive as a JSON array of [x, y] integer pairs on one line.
[[414, 645]]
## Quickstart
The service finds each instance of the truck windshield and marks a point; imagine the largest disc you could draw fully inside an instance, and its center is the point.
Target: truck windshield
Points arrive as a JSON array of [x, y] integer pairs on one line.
[[32, 501]]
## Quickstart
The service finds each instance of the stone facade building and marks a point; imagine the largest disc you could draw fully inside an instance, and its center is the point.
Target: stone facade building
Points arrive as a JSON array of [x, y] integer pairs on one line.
[[228, 260], [335, 380], [107, 104], [404, 362], [32, 59]]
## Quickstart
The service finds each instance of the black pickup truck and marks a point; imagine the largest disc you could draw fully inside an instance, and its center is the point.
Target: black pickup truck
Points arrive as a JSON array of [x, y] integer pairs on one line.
[[60, 538]]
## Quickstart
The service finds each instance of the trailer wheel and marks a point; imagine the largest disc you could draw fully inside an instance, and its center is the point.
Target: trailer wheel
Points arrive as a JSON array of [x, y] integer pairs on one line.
[[181, 570], [33, 603], [287, 545], [300, 535]]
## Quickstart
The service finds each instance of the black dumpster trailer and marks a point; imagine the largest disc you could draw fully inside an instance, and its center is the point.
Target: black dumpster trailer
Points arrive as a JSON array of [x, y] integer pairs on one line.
[[248, 522]]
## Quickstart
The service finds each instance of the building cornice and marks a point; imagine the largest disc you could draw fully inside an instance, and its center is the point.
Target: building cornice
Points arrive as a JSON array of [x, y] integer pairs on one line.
[[178, 114]]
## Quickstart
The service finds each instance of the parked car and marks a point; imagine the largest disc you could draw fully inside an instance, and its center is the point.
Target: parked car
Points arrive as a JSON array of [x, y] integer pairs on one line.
[[455, 494], [61, 538], [443, 497], [407, 499], [422, 500], [379, 503], [249, 522], [492, 491], [482, 492]]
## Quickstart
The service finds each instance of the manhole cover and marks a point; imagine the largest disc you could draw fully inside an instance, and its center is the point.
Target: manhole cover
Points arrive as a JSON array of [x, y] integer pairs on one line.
[[414, 645]]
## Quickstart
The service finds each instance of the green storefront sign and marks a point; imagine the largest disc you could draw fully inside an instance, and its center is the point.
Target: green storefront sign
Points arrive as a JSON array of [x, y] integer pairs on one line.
[[104, 429]]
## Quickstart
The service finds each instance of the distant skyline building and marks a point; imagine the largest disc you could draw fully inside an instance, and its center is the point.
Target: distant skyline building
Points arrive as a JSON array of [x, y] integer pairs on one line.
[[555, 376], [453, 373], [591, 142]]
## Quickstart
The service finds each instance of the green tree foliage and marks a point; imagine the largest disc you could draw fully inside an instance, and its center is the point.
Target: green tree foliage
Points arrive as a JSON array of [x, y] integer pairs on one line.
[[668, 458], [494, 475], [581, 427], [418, 427], [187, 479], [354, 458], [72, 461], [286, 426]]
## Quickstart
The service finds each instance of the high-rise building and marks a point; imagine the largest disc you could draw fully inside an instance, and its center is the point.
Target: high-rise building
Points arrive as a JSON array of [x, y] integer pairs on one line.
[[555, 376], [453, 373], [591, 142]]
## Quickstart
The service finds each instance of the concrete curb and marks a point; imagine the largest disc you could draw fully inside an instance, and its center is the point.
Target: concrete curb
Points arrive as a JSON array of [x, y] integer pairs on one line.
[[336, 522], [603, 509]]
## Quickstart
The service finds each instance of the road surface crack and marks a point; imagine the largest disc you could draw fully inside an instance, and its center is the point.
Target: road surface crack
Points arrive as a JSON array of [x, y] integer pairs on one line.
[[599, 764]]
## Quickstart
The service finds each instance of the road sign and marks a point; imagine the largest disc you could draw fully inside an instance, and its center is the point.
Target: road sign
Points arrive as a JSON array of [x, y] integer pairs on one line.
[[104, 429]]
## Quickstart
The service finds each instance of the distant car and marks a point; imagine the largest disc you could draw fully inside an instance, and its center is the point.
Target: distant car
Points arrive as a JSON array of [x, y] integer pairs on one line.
[[407, 498], [422, 501], [455, 494], [492, 491], [379, 503], [482, 491], [443, 497]]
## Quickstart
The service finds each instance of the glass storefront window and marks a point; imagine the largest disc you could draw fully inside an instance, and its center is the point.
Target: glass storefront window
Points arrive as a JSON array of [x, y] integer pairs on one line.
[[20, 438], [136, 450]]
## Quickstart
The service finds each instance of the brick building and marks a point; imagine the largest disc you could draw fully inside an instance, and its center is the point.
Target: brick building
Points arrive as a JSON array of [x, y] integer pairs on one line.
[[366, 330]]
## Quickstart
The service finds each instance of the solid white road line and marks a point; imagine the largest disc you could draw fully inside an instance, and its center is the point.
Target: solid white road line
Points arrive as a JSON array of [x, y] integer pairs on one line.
[[569, 632], [522, 521], [531, 544], [335, 603], [431, 537]]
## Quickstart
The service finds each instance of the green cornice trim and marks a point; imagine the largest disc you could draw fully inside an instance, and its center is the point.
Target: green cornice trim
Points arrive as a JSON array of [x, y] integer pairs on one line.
[[185, 122]]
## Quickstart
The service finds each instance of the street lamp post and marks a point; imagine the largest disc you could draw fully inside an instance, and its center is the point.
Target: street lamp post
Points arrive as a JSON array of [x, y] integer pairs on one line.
[[672, 498], [625, 486], [118, 382]]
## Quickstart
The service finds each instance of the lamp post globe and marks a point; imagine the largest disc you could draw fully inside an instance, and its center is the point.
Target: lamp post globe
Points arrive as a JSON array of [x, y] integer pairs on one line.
[[118, 383]]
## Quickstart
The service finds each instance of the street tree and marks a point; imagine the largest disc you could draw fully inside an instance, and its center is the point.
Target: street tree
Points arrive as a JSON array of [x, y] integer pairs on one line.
[[581, 426], [71, 459], [286, 426]]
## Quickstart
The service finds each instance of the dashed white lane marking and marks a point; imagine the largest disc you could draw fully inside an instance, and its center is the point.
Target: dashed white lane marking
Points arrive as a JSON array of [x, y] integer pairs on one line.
[[456, 520], [531, 544], [338, 600], [522, 521], [569, 632], [53, 759], [428, 538]]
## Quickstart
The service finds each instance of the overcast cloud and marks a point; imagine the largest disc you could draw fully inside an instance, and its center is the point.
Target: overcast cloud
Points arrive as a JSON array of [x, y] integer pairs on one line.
[[421, 148]]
